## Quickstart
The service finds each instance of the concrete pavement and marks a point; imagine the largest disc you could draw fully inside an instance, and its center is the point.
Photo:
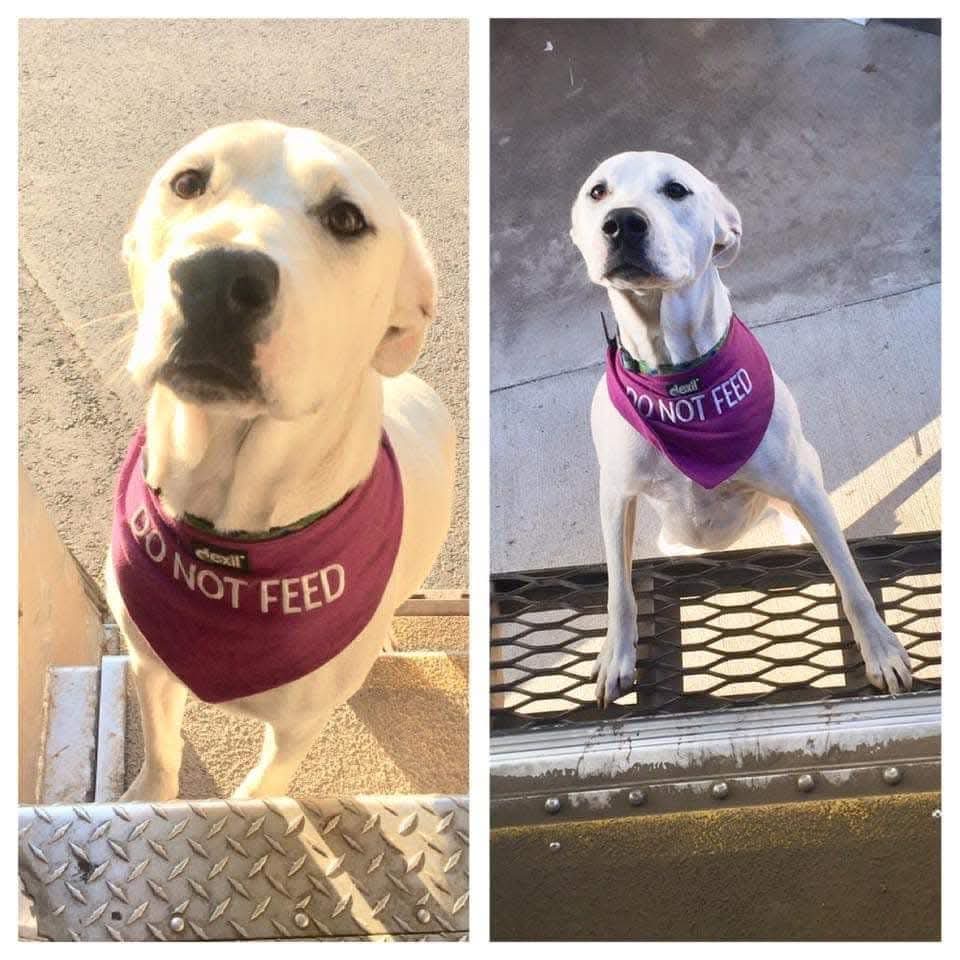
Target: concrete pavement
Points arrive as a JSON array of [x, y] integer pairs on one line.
[[826, 136]]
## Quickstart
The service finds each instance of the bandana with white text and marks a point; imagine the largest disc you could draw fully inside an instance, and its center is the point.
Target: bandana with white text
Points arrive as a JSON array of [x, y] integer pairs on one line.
[[707, 419], [234, 617]]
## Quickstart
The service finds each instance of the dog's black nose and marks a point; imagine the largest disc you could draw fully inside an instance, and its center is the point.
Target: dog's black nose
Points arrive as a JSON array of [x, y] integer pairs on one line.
[[625, 224], [223, 295], [226, 288]]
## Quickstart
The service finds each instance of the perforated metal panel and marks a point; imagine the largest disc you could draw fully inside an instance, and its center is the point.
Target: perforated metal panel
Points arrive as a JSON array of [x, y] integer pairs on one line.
[[357, 868], [717, 630]]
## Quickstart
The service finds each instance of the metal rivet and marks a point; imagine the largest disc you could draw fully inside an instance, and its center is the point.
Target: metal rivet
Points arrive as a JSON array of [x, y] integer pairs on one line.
[[176, 923], [552, 805], [554, 845], [892, 776], [720, 790], [301, 920], [637, 798], [423, 915], [805, 782]]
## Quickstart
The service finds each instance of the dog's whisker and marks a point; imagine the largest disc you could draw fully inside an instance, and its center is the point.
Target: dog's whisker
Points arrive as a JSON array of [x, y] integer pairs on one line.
[[131, 312], [115, 296], [117, 364], [116, 378]]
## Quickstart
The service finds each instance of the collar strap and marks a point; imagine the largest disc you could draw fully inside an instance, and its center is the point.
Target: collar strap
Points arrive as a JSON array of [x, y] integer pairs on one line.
[[205, 526], [634, 365], [273, 533]]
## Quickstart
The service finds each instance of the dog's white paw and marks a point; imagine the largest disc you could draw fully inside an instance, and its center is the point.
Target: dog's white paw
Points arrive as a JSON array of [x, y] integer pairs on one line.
[[260, 783], [244, 792], [614, 670], [150, 786], [886, 661], [250, 788], [670, 547]]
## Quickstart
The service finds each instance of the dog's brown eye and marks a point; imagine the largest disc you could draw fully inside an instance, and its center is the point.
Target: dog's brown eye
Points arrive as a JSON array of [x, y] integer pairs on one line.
[[189, 184], [676, 191], [345, 219], [598, 191]]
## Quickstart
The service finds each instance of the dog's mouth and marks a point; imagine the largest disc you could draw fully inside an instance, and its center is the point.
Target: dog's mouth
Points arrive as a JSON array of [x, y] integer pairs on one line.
[[207, 382], [632, 274]]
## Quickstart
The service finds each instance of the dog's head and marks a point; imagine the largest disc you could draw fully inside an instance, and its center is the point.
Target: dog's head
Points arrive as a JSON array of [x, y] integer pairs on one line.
[[270, 267], [651, 221]]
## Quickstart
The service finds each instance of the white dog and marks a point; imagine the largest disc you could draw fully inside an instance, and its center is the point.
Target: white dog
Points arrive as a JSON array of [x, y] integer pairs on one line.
[[654, 231], [294, 484]]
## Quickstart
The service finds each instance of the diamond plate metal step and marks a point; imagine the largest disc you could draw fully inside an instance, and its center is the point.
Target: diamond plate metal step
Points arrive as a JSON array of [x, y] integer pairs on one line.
[[349, 868]]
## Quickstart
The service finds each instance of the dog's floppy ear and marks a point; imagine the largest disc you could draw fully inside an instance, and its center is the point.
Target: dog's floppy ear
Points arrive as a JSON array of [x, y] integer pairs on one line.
[[727, 230], [414, 306]]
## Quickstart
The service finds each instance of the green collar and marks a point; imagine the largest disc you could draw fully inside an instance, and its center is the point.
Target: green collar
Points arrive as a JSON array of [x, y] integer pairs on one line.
[[207, 527], [634, 365]]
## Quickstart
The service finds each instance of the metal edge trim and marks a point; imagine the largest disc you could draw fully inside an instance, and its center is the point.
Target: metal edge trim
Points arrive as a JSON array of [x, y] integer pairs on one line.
[[918, 709]]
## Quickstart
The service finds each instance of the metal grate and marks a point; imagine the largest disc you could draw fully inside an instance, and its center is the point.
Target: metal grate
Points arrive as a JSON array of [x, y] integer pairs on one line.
[[717, 630]]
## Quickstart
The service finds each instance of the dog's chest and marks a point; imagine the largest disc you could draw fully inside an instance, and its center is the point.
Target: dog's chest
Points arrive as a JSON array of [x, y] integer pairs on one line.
[[660, 480]]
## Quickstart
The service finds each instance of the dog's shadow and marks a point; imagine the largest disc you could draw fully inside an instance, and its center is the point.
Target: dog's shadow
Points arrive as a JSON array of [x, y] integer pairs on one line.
[[403, 731], [200, 782], [428, 743]]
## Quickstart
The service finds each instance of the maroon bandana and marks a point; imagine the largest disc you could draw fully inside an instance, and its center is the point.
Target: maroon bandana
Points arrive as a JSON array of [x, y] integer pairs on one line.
[[708, 419], [235, 617]]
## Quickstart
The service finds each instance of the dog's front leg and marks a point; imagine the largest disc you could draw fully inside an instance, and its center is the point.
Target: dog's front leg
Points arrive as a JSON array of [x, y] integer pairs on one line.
[[886, 661], [615, 667], [162, 698], [285, 744]]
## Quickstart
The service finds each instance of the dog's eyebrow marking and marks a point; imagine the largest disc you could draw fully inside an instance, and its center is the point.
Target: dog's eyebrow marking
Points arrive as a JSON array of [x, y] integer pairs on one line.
[[202, 164], [334, 196]]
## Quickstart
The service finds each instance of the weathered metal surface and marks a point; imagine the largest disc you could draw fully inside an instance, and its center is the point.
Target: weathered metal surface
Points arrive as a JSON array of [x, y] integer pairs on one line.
[[111, 729], [716, 631], [357, 868], [864, 868], [760, 755], [68, 754], [27, 918]]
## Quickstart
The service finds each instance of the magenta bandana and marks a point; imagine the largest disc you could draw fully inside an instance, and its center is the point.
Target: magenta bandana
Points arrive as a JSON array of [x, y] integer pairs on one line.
[[708, 419], [235, 617]]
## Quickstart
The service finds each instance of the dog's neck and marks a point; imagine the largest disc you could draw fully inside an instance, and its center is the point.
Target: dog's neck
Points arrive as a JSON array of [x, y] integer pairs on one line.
[[660, 327], [261, 473]]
